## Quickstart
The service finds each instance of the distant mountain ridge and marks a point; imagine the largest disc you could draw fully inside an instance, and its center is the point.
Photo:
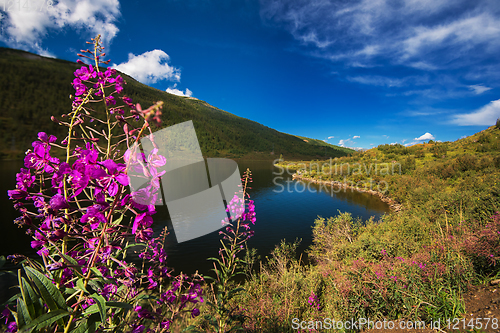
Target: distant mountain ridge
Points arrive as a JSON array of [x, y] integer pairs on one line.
[[33, 88]]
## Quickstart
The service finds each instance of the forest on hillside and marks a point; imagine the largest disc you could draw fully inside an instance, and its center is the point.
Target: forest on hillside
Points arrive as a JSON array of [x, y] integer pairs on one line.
[[34, 88]]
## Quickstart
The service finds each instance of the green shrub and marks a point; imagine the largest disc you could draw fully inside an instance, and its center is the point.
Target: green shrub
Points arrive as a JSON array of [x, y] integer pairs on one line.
[[466, 162], [332, 235], [439, 149]]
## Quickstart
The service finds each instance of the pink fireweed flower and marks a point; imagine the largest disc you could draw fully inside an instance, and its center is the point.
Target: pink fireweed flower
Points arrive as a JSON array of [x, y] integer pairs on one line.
[[195, 313], [156, 160], [110, 100], [313, 301], [58, 202], [142, 220], [109, 181], [85, 73], [80, 87], [93, 216], [235, 208]]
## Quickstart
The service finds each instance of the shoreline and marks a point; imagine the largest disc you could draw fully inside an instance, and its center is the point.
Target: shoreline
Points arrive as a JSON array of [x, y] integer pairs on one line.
[[393, 205]]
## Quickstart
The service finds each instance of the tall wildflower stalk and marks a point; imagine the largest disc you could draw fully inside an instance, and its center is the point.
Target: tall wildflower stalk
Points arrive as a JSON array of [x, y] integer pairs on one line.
[[83, 220], [229, 264]]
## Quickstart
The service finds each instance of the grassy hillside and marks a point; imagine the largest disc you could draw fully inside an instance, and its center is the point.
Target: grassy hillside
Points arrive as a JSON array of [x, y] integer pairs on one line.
[[415, 264], [34, 88]]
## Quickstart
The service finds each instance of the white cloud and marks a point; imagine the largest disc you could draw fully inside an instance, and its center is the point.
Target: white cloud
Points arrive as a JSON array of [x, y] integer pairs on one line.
[[26, 28], [422, 34], [149, 67], [356, 137], [175, 91], [425, 111], [485, 116], [426, 136], [349, 143], [331, 137], [478, 89], [377, 80]]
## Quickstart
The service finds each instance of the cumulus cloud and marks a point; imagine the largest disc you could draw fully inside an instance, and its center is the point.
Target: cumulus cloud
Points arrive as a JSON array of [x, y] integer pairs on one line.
[[478, 89], [175, 91], [420, 34], [331, 137], [26, 28], [356, 137], [485, 116], [149, 67], [426, 136], [349, 143]]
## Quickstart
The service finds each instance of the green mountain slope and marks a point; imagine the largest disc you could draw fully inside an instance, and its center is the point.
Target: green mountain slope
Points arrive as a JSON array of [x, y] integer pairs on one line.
[[34, 88]]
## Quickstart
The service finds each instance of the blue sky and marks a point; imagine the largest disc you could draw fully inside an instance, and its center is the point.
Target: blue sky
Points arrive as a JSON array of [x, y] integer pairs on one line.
[[355, 73]]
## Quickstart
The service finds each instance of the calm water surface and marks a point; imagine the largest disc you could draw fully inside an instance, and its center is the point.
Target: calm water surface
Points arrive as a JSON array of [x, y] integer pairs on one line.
[[281, 214]]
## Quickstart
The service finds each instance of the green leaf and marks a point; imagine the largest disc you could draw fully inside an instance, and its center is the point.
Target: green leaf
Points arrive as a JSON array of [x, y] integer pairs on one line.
[[2, 261], [91, 309], [29, 296], [74, 264], [49, 292], [12, 299], [80, 284], [87, 325], [234, 292], [95, 284], [118, 220], [23, 316], [46, 319], [134, 244], [101, 304], [71, 292], [96, 271]]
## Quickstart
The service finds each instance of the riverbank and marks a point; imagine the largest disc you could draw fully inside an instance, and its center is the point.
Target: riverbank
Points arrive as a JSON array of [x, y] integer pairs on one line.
[[393, 204]]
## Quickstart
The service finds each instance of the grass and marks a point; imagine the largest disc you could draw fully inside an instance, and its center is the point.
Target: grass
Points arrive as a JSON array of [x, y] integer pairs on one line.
[[415, 264]]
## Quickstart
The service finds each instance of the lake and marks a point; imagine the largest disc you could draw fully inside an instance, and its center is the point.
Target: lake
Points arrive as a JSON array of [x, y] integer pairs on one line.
[[285, 210]]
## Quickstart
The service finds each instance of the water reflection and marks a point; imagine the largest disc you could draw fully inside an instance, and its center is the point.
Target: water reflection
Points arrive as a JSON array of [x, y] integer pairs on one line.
[[286, 215]]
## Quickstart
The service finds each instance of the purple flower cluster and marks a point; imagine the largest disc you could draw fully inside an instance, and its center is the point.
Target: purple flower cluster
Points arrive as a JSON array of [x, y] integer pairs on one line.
[[314, 301], [77, 209], [236, 209]]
